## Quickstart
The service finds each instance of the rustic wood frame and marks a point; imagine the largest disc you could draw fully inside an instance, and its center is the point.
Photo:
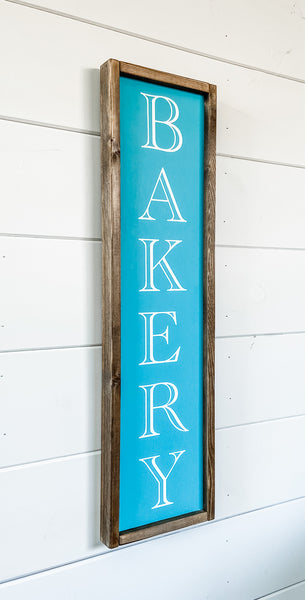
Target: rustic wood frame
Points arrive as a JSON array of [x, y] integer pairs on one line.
[[111, 305]]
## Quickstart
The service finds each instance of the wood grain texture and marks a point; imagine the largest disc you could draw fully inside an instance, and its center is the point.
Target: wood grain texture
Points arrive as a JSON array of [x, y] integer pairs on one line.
[[209, 295], [110, 112], [111, 309], [168, 79], [166, 526]]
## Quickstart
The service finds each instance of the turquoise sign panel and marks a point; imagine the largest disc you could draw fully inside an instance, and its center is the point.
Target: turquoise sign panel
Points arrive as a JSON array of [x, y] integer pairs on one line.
[[161, 454]]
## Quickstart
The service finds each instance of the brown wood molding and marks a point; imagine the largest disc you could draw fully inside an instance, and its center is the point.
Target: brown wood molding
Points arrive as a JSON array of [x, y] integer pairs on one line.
[[168, 79], [166, 526], [111, 301], [111, 308]]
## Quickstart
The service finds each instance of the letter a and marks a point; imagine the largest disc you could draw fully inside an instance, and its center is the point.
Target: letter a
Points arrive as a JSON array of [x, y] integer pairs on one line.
[[163, 186], [160, 478], [151, 123]]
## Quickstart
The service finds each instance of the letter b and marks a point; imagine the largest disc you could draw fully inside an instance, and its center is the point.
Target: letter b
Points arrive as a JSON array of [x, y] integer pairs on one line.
[[151, 101]]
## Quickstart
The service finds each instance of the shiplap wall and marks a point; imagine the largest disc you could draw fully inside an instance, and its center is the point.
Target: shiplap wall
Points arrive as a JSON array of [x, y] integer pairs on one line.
[[50, 265]]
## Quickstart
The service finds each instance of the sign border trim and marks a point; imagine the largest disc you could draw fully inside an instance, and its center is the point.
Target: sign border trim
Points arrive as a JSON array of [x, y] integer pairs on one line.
[[111, 301]]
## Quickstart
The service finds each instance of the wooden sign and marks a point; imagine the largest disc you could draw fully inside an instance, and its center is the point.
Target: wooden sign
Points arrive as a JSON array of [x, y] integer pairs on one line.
[[158, 197]]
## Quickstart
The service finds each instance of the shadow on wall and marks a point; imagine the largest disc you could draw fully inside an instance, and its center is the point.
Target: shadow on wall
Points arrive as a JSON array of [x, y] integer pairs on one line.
[[92, 92]]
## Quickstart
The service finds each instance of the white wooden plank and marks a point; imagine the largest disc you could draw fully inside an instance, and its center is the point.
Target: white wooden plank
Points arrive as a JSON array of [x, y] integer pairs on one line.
[[50, 182], [50, 404], [256, 466], [259, 291], [51, 293], [49, 514], [244, 557], [59, 284], [259, 378], [256, 379], [259, 465], [296, 592], [226, 30], [59, 83], [259, 204], [50, 185]]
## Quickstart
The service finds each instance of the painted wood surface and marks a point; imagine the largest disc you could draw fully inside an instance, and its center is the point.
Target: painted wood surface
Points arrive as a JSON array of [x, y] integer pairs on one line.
[[49, 510], [59, 282], [126, 92], [49, 514], [250, 104], [256, 202], [261, 291], [295, 592], [227, 31], [206, 561], [256, 468], [254, 378], [50, 182], [58, 509], [39, 421], [259, 378], [111, 298]]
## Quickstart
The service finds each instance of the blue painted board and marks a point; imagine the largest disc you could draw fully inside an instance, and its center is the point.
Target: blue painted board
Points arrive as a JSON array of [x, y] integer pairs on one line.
[[161, 455]]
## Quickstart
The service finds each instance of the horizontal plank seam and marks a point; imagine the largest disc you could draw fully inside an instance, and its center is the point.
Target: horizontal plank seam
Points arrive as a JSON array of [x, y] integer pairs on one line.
[[261, 160], [250, 247], [261, 422], [7, 582], [97, 451], [48, 125], [282, 589], [99, 240], [50, 237], [97, 134], [153, 40], [254, 335], [217, 337], [50, 348], [63, 458]]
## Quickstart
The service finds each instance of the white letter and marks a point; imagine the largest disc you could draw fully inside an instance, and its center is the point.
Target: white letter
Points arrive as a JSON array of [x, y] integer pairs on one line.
[[169, 199], [163, 264], [151, 123], [149, 408], [150, 335], [161, 479]]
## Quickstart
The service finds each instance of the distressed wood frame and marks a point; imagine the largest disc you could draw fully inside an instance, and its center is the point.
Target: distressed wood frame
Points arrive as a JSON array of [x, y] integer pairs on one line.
[[111, 304]]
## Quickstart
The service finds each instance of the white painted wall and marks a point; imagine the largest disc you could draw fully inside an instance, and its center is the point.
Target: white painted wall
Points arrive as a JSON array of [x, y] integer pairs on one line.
[[50, 265]]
